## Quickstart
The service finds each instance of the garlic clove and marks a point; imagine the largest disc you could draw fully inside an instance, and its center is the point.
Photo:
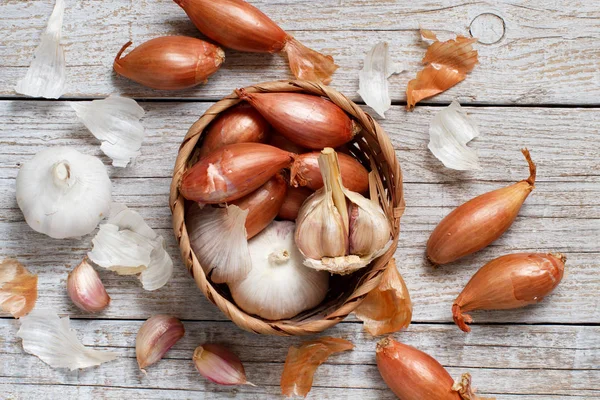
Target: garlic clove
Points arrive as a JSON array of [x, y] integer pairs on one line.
[[18, 288], [369, 227], [85, 288], [219, 365], [155, 337]]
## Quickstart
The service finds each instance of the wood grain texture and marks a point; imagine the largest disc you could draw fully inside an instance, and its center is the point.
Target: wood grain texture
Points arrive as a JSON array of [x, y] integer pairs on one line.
[[535, 57], [545, 53], [568, 356]]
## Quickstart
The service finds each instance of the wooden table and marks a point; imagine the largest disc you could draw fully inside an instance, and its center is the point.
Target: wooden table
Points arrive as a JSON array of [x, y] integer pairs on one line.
[[537, 86]]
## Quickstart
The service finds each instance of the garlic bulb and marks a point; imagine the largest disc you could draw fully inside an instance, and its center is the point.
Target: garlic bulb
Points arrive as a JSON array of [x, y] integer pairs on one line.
[[218, 238], [63, 193], [338, 230], [116, 122], [278, 286], [128, 246], [46, 74]]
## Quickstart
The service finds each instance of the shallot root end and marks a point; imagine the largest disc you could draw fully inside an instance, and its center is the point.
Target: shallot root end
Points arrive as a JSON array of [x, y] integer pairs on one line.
[[460, 319]]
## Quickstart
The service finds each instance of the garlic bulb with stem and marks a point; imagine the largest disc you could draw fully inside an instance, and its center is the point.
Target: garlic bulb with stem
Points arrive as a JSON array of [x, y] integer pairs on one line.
[[85, 288], [278, 286], [338, 230], [63, 193]]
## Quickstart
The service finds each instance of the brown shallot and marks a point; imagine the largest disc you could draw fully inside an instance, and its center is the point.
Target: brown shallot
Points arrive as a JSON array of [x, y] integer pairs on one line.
[[301, 363], [477, 223], [281, 142], [292, 202], [240, 124], [310, 121], [238, 25], [387, 308], [18, 288], [232, 172], [446, 64], [414, 375], [306, 172], [511, 281], [263, 204], [170, 62]]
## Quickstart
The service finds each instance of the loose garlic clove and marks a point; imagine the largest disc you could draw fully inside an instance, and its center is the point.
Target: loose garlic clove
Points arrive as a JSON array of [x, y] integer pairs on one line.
[[85, 288], [219, 365], [156, 336]]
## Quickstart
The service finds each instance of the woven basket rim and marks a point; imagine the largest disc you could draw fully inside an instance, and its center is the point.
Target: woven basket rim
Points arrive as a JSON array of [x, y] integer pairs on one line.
[[394, 211]]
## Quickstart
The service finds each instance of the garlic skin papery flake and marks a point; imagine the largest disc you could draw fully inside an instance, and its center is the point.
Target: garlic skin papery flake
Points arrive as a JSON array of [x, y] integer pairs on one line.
[[218, 238], [18, 288], [338, 230], [63, 193], [116, 122], [449, 132], [373, 78], [127, 245], [46, 75], [278, 286], [50, 338]]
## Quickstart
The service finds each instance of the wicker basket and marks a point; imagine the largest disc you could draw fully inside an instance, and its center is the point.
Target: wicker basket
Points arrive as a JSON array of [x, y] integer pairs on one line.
[[371, 147]]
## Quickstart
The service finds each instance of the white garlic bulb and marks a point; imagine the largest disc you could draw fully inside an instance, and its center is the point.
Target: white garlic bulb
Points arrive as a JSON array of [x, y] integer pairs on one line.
[[338, 230], [278, 286], [63, 193]]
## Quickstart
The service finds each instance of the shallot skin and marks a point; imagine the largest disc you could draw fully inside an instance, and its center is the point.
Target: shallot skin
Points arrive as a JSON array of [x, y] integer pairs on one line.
[[263, 204], [170, 62], [235, 24], [307, 173], [412, 374], [507, 282], [292, 202], [480, 221], [240, 124], [233, 171], [310, 121]]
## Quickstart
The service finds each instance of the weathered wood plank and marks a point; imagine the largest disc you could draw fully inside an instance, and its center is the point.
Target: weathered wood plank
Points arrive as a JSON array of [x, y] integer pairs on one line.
[[563, 141], [569, 353], [536, 53]]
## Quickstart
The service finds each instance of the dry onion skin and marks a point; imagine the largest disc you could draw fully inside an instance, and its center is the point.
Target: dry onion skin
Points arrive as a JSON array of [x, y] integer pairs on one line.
[[446, 64], [414, 375], [507, 282], [480, 221], [306, 172], [387, 308], [239, 25], [309, 121], [240, 124], [302, 362], [18, 288], [232, 172], [170, 62]]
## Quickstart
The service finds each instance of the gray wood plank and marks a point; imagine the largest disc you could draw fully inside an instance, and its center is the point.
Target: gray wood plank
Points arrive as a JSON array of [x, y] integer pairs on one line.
[[543, 54]]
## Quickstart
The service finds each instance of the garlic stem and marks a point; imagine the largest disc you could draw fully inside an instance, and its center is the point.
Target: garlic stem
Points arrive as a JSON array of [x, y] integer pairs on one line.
[[61, 174], [332, 179]]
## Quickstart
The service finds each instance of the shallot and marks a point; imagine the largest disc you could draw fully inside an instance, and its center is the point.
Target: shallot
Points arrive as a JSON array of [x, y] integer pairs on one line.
[[306, 172], [293, 202], [241, 26], [310, 121], [477, 223], [170, 62], [232, 172], [511, 281]]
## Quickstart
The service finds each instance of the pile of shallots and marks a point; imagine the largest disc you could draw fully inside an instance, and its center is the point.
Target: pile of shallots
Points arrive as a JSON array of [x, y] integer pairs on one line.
[[276, 209]]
